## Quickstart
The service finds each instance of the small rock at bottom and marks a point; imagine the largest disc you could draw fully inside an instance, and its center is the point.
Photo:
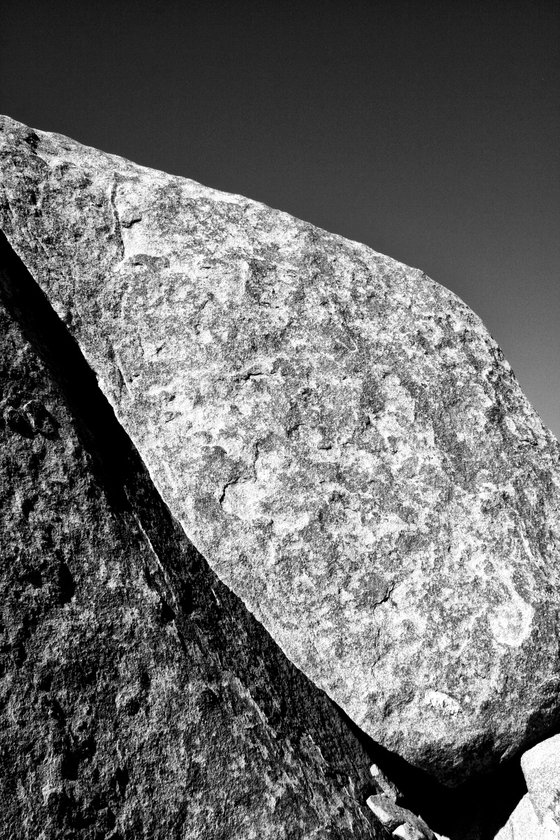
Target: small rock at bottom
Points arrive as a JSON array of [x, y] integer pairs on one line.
[[396, 818], [537, 816], [541, 768], [408, 832], [385, 785]]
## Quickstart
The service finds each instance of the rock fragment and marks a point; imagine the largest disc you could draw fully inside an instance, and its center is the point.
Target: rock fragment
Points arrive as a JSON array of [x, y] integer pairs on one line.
[[525, 825], [409, 832], [541, 768], [386, 786], [537, 817], [395, 817]]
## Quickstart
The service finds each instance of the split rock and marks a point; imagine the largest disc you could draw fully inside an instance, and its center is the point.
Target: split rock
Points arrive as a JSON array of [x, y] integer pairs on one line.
[[138, 697], [337, 434]]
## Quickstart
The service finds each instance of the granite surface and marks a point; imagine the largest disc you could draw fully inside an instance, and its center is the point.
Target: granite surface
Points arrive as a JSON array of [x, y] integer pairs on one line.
[[337, 434]]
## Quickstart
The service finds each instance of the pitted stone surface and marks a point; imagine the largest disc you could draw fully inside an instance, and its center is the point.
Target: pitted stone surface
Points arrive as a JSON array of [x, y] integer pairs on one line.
[[337, 434]]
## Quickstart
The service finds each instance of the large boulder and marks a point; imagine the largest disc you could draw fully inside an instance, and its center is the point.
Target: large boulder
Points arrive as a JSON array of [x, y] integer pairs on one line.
[[138, 697], [337, 434]]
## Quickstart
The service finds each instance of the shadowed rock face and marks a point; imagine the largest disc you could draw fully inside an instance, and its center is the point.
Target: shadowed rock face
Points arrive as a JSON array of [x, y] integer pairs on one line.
[[138, 697], [337, 434]]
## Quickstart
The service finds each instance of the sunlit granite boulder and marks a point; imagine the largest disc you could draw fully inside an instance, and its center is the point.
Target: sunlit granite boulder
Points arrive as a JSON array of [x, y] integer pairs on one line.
[[337, 434]]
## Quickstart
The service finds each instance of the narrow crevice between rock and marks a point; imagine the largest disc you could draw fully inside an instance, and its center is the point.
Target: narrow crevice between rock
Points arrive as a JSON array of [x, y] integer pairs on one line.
[[196, 600]]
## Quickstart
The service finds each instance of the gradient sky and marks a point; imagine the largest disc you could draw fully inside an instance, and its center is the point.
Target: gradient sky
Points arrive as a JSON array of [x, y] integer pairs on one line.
[[429, 130]]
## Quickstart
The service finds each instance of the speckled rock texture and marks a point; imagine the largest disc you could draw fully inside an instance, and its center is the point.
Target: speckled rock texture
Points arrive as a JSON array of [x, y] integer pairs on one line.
[[337, 434], [139, 699], [541, 768], [537, 816], [524, 824]]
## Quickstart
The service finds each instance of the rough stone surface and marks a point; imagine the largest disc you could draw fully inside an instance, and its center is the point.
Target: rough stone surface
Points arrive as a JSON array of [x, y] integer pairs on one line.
[[337, 434], [138, 697], [524, 824], [541, 768], [537, 816]]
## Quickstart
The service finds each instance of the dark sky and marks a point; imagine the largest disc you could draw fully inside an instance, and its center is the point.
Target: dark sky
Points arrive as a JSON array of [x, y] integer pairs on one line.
[[428, 130]]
